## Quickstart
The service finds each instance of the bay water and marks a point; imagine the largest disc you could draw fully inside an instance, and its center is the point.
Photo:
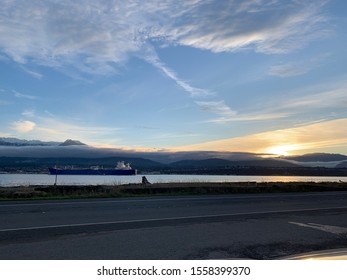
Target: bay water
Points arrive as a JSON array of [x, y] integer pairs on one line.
[[8, 180]]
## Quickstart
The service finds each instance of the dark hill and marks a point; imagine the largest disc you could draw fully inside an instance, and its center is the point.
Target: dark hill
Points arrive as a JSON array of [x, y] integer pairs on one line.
[[322, 157], [205, 163], [222, 163]]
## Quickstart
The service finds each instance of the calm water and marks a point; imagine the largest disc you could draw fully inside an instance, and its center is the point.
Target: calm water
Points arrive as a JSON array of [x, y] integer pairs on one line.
[[7, 180]]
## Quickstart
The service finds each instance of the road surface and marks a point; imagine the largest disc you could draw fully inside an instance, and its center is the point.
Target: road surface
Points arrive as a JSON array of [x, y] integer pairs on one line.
[[256, 226]]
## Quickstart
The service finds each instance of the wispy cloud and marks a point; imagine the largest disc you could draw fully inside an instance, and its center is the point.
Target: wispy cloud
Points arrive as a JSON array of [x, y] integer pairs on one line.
[[321, 96], [25, 96], [288, 70], [267, 27], [95, 35], [217, 107], [260, 116], [227, 114], [293, 103], [298, 67], [28, 113], [193, 91], [32, 73]]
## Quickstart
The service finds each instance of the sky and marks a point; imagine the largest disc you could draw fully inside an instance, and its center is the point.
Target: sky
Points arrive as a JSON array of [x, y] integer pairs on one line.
[[242, 76]]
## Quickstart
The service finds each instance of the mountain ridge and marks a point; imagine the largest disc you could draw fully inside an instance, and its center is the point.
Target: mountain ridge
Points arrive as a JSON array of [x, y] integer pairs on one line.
[[16, 142], [31, 149], [317, 157], [70, 142]]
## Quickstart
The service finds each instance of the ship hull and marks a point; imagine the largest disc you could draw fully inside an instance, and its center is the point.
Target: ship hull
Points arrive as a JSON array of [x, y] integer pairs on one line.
[[114, 172]]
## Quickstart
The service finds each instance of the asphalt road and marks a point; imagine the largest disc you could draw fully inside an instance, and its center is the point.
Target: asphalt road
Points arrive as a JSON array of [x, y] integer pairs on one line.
[[256, 226]]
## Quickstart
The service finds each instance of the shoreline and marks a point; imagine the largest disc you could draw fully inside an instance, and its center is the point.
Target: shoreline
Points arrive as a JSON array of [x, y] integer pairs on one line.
[[39, 192]]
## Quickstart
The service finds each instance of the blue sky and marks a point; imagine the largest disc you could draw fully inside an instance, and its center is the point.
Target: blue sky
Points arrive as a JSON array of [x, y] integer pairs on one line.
[[243, 76]]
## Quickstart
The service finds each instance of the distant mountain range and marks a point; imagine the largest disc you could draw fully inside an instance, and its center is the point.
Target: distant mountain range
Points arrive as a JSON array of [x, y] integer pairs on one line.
[[317, 157], [35, 154], [223, 163], [320, 159], [212, 166], [15, 142]]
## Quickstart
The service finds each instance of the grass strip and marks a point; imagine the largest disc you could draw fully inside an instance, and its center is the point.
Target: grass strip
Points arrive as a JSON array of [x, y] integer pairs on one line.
[[130, 190]]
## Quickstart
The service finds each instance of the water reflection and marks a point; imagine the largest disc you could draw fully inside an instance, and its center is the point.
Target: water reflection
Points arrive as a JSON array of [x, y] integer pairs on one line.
[[7, 180]]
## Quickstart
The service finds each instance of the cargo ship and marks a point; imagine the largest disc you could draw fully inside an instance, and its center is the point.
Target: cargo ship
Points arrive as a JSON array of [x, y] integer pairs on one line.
[[121, 169]]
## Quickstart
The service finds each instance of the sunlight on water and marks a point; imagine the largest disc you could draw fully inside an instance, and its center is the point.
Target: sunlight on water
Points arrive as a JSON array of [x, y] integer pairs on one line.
[[7, 180]]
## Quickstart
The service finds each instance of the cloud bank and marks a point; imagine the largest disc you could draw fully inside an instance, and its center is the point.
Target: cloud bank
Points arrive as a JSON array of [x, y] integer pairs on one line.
[[94, 35]]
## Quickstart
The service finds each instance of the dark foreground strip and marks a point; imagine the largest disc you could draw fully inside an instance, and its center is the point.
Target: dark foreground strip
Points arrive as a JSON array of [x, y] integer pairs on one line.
[[45, 232]]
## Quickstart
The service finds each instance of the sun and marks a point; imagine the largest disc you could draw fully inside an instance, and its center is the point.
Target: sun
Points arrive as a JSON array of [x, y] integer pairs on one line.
[[282, 150]]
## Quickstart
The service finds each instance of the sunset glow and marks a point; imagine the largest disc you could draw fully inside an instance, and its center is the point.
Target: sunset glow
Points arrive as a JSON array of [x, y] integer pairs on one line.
[[176, 75], [283, 150]]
